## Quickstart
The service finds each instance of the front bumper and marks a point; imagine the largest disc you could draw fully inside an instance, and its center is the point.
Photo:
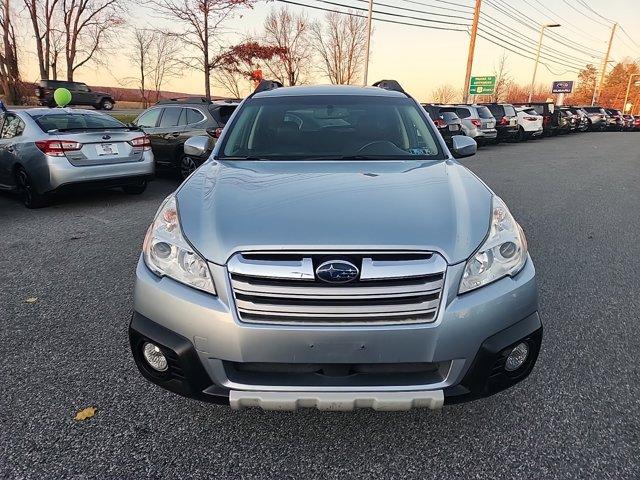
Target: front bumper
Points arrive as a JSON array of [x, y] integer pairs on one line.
[[203, 340]]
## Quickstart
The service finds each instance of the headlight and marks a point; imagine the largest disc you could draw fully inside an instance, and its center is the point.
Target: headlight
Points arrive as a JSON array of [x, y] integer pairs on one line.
[[166, 252], [503, 253]]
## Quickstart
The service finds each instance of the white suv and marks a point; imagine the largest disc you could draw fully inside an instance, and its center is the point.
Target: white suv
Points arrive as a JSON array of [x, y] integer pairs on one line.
[[529, 123]]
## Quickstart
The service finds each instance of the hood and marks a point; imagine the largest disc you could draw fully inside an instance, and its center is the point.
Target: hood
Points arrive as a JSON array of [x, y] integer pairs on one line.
[[231, 206]]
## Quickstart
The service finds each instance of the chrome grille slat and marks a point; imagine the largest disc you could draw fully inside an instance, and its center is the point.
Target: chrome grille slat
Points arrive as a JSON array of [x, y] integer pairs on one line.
[[246, 286], [328, 309], [276, 288]]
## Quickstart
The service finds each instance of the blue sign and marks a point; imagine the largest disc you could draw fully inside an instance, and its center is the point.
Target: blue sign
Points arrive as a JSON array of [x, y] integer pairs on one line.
[[562, 87]]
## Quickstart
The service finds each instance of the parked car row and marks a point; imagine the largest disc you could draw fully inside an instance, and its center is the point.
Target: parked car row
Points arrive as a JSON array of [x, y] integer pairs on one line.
[[500, 122], [98, 150]]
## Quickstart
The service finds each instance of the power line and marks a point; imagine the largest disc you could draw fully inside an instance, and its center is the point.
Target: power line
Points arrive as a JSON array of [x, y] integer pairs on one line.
[[448, 9], [555, 17], [508, 48], [532, 50], [629, 36], [547, 50], [527, 21], [585, 15], [398, 15], [380, 4], [385, 20]]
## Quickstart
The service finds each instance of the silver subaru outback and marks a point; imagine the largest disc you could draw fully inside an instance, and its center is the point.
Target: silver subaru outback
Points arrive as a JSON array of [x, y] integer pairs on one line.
[[333, 254]]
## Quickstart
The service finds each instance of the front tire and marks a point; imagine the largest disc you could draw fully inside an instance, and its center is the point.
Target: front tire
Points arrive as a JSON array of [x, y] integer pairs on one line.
[[187, 166], [30, 196]]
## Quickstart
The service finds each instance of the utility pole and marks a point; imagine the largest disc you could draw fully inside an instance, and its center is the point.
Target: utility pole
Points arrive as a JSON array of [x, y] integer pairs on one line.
[[626, 96], [535, 68], [472, 48], [605, 63], [366, 57]]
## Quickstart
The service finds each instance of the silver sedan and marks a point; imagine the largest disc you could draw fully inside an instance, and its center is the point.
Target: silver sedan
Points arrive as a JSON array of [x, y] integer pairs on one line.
[[47, 150]]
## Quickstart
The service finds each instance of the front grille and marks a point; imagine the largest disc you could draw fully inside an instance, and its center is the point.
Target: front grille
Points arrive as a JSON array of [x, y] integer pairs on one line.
[[390, 288]]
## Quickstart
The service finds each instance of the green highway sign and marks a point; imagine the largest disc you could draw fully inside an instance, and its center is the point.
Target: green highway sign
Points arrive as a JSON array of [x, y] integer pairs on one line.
[[482, 85]]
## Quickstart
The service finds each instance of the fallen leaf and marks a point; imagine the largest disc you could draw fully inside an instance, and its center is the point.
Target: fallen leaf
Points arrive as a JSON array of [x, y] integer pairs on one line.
[[32, 300], [85, 414]]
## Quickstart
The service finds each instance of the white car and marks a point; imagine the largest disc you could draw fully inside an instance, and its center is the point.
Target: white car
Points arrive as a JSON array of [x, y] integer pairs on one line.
[[529, 123]]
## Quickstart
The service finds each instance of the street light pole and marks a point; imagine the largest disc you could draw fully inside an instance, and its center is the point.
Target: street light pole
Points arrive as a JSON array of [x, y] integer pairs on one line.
[[366, 57], [535, 68], [626, 96]]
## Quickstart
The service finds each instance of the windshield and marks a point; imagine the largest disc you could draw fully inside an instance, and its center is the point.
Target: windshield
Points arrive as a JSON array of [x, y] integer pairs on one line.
[[331, 127], [76, 121]]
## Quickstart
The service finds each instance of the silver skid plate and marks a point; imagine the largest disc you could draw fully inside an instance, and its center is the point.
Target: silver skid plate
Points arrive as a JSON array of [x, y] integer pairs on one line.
[[337, 401]]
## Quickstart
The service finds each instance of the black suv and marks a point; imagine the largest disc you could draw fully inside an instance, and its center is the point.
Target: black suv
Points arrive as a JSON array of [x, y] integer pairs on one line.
[[170, 123], [506, 120], [448, 123], [81, 94]]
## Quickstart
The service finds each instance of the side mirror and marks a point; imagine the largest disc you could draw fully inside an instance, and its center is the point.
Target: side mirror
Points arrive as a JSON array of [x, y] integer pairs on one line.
[[463, 146], [196, 146]]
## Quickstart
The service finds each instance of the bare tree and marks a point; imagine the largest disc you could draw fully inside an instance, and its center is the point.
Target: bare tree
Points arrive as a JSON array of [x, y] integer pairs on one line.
[[42, 13], [142, 40], [340, 43], [503, 79], [155, 55], [201, 21], [9, 70], [290, 32], [445, 93], [230, 81], [165, 62], [89, 25]]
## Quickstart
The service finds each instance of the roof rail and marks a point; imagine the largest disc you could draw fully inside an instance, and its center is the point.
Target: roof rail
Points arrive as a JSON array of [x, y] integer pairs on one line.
[[266, 85], [390, 85], [187, 99]]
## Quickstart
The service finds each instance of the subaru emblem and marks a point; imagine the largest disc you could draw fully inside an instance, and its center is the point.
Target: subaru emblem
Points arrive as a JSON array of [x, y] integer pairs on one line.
[[337, 271]]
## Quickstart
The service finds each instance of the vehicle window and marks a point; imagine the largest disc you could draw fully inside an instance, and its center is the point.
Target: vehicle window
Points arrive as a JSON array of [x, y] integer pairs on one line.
[[531, 111], [193, 116], [431, 110], [484, 112], [509, 111], [496, 110], [182, 119], [170, 117], [149, 118], [332, 127], [456, 112], [81, 87], [225, 112], [12, 127], [76, 121], [449, 116]]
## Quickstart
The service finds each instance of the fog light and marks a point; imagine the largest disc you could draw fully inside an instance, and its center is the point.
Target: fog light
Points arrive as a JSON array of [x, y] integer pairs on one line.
[[154, 357], [517, 357]]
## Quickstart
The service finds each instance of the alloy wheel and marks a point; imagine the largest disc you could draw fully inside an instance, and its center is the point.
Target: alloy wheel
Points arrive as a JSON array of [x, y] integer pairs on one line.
[[187, 167]]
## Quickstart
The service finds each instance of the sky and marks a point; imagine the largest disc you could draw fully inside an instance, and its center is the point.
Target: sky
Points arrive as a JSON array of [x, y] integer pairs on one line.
[[421, 59]]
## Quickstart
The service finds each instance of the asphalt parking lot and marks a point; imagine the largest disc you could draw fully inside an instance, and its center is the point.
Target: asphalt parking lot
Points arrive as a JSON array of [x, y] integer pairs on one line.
[[576, 416]]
